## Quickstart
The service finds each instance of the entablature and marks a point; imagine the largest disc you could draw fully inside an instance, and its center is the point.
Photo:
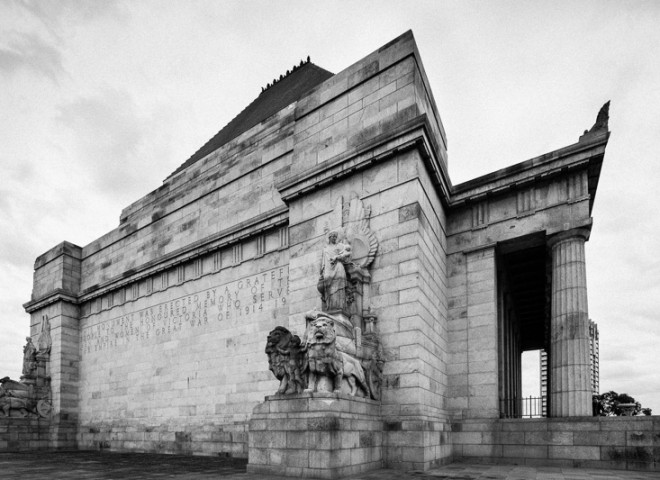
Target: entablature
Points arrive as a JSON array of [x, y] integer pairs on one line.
[[414, 134], [586, 154], [550, 193], [187, 262]]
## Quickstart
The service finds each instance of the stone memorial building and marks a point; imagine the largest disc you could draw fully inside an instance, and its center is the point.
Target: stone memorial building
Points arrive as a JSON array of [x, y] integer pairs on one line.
[[325, 208]]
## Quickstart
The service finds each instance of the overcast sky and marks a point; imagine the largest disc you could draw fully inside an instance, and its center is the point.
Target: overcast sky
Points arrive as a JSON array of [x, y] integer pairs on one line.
[[101, 100]]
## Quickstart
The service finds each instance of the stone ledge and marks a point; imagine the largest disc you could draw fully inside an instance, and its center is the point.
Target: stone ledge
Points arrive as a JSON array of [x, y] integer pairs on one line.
[[594, 442]]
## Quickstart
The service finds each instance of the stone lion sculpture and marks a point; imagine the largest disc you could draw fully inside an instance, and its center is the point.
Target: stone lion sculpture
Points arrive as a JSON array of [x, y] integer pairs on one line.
[[25, 405], [284, 360], [17, 396], [324, 360]]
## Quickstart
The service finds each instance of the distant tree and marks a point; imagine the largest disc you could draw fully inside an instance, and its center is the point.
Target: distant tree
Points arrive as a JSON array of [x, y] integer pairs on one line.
[[609, 404]]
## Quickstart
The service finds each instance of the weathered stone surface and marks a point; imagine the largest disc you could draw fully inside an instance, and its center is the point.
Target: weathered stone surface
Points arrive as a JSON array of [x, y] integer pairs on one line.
[[285, 360], [156, 330], [331, 434], [571, 387], [593, 442]]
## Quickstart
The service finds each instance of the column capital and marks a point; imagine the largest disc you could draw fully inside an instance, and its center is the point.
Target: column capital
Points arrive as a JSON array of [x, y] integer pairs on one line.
[[569, 234]]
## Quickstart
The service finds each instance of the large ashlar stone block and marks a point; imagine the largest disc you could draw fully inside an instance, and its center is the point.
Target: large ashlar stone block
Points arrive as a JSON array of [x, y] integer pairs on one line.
[[320, 435]]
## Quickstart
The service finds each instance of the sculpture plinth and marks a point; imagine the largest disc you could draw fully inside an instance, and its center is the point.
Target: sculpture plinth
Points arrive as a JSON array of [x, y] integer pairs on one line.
[[321, 435]]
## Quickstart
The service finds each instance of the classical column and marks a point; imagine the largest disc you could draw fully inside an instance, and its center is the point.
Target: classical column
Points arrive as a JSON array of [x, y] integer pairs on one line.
[[570, 390]]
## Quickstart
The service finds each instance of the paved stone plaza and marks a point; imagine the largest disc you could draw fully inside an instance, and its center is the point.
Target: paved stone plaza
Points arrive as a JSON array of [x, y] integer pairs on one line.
[[128, 466]]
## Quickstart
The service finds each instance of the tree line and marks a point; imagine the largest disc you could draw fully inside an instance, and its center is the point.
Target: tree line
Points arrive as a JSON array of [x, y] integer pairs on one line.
[[612, 404]]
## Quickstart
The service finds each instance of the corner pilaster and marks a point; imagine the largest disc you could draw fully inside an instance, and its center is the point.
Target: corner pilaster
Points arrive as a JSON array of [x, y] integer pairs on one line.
[[54, 296]]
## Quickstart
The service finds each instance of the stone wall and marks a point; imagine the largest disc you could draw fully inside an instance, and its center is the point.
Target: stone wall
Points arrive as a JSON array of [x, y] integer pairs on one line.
[[63, 369], [631, 443], [181, 369], [407, 291], [19, 434], [151, 359], [473, 368], [197, 207], [368, 120]]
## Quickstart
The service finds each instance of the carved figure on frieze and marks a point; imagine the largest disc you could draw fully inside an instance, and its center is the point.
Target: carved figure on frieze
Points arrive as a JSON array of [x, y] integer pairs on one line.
[[285, 360], [349, 251], [334, 283], [17, 396], [24, 405], [11, 387], [324, 360], [343, 327], [29, 358], [363, 241], [374, 353], [44, 342], [373, 369]]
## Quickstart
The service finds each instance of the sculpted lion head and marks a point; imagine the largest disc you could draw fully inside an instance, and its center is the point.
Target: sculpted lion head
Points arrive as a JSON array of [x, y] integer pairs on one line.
[[284, 359], [279, 337], [322, 330]]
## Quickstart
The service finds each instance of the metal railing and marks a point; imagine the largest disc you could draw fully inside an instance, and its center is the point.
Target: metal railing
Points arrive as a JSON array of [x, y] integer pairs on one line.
[[523, 407]]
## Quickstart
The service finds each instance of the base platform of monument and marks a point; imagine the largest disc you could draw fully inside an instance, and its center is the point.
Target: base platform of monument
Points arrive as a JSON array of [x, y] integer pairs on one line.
[[322, 435]]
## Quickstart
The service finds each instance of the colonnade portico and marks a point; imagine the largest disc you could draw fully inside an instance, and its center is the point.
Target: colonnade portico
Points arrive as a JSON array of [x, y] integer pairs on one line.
[[535, 217], [570, 387], [542, 305]]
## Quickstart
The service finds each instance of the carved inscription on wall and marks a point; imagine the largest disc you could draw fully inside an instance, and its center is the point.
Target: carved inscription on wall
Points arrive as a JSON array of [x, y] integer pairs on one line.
[[222, 306]]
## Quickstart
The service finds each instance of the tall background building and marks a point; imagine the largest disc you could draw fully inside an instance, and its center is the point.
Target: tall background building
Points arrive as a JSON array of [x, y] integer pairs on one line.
[[594, 369]]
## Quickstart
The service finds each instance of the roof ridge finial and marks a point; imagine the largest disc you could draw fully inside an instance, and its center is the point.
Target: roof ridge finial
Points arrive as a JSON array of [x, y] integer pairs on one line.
[[602, 120]]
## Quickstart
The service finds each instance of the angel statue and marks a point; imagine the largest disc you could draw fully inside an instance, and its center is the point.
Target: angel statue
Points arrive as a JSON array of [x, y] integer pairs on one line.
[[334, 280]]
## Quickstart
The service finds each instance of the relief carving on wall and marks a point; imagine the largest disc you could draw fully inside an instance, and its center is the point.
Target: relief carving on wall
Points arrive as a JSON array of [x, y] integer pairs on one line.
[[340, 350], [44, 342], [30, 396], [334, 281], [317, 364], [349, 250], [17, 396], [325, 361], [29, 399], [29, 358], [285, 360]]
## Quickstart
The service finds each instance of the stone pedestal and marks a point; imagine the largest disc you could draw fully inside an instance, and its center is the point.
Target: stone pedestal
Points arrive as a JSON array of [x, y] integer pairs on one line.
[[321, 435], [570, 388]]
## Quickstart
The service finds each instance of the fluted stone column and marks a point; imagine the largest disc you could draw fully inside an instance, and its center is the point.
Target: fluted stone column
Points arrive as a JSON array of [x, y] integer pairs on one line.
[[570, 389]]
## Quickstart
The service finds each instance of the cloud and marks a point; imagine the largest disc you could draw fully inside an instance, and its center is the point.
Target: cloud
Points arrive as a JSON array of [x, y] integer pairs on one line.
[[37, 32], [20, 212], [29, 52], [107, 136], [53, 14], [618, 355], [17, 251], [14, 291]]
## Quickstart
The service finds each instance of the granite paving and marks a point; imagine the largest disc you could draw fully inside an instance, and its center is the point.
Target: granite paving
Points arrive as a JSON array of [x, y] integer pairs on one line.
[[110, 466]]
